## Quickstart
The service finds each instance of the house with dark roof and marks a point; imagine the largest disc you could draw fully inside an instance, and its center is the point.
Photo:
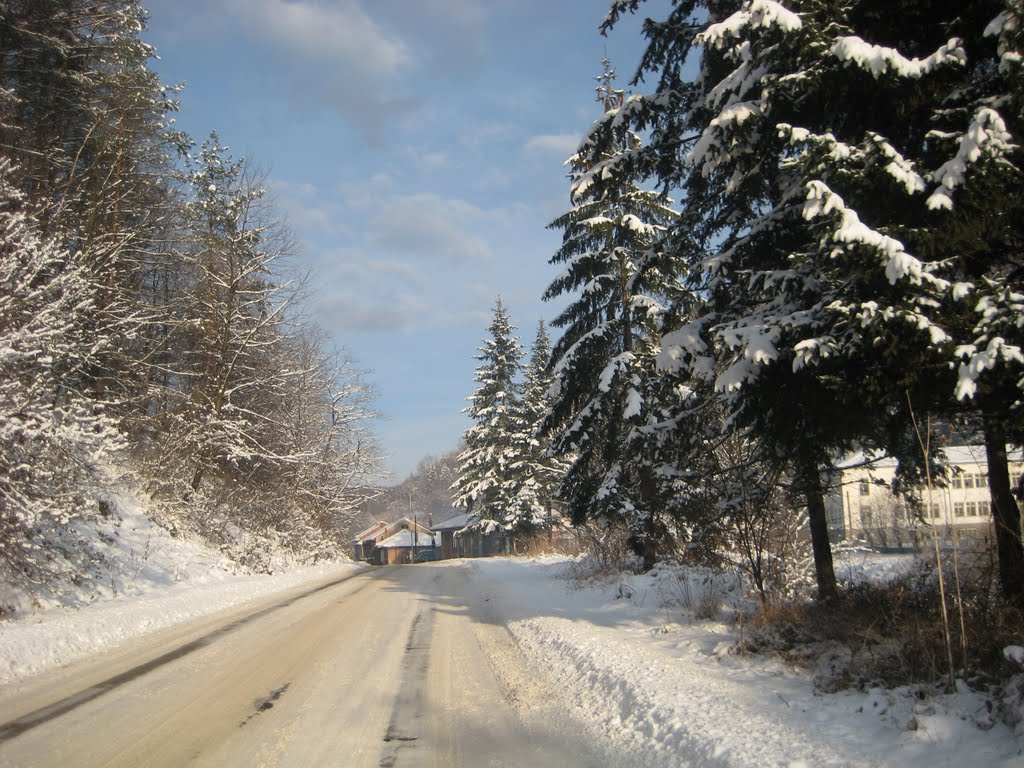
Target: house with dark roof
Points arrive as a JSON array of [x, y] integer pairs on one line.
[[446, 531], [466, 535]]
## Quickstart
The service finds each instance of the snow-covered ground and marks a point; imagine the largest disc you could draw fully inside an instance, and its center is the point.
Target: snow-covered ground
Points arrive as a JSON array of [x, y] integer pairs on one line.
[[149, 581], [656, 682], [667, 688]]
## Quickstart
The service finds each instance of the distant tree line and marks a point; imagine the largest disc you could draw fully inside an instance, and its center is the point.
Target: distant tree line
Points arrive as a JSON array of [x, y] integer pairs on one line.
[[843, 265], [149, 319], [424, 495]]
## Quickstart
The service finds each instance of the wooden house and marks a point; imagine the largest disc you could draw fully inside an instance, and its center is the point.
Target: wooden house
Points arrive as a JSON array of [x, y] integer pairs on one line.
[[465, 536], [447, 530], [365, 542], [373, 545], [406, 545]]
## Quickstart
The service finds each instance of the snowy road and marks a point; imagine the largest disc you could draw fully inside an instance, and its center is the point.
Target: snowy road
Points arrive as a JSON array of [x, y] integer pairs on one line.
[[400, 666]]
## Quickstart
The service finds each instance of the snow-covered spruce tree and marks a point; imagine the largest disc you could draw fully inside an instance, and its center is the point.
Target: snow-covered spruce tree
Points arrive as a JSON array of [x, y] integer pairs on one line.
[[606, 411], [489, 479], [879, 189], [540, 470], [55, 443], [976, 191], [822, 146]]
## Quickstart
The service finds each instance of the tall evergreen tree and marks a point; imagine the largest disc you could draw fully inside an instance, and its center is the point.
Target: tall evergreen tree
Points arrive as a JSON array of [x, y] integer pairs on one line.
[[827, 152], [539, 469], [604, 414], [487, 484]]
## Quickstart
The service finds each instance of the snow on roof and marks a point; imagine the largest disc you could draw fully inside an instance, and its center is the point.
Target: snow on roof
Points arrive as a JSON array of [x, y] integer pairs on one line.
[[404, 538], [409, 522], [975, 454], [377, 527], [382, 525], [455, 523], [958, 455]]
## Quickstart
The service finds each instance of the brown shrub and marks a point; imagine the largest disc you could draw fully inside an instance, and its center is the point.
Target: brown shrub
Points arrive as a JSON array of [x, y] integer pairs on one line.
[[891, 634]]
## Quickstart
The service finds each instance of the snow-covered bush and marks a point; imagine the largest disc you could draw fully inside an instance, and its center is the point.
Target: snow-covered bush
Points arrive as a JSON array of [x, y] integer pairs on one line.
[[698, 590], [606, 553]]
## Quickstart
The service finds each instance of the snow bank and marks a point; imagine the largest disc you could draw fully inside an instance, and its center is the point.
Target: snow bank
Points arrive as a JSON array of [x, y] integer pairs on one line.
[[667, 689], [152, 581]]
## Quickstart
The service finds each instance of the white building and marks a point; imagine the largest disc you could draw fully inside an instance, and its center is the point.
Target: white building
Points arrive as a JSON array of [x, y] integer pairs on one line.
[[861, 505]]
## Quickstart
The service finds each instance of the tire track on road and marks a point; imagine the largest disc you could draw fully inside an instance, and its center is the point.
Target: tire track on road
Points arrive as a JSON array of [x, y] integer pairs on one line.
[[27, 722], [404, 740]]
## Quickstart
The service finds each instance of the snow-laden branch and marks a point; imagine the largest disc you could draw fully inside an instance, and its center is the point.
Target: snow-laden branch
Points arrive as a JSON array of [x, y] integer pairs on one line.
[[756, 14], [851, 231], [987, 138], [880, 60]]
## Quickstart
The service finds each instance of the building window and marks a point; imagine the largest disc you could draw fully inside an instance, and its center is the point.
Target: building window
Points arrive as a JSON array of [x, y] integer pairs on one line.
[[978, 508], [934, 510], [865, 488], [959, 509]]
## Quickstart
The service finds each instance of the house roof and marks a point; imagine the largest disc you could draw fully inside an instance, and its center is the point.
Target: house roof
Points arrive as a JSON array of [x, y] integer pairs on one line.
[[376, 528], [455, 523], [404, 538], [408, 522], [958, 455], [381, 527]]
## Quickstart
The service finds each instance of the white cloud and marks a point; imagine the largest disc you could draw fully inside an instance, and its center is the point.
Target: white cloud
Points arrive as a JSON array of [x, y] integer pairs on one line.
[[429, 225], [448, 35], [561, 144], [425, 224], [339, 31], [484, 135], [360, 291], [333, 54]]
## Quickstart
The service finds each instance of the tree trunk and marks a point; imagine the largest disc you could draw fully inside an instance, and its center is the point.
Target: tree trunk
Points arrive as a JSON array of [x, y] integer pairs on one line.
[[651, 532], [818, 522], [1005, 514], [650, 554]]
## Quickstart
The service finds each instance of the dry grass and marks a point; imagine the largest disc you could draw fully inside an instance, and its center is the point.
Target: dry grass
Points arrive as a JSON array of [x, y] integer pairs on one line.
[[891, 634]]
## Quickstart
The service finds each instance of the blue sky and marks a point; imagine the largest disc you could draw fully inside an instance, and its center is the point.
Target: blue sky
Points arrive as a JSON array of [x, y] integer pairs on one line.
[[416, 148]]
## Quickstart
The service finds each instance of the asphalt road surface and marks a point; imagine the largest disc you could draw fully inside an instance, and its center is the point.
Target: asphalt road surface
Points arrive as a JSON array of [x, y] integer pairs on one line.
[[396, 666]]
